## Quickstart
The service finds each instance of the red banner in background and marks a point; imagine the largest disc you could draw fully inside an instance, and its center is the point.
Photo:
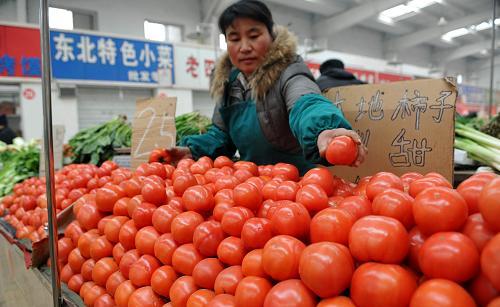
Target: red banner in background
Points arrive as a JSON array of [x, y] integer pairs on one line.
[[368, 76], [19, 52]]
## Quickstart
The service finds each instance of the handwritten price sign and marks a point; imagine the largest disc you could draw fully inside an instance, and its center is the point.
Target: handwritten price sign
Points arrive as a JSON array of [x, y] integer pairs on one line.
[[407, 126], [153, 127]]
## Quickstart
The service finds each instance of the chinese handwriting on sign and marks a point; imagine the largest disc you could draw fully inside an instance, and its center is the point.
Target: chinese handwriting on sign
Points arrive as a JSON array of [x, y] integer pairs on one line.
[[192, 66], [375, 110], [409, 152]]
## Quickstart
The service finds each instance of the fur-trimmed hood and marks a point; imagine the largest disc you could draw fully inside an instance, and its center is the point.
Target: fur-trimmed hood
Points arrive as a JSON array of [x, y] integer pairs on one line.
[[282, 52]]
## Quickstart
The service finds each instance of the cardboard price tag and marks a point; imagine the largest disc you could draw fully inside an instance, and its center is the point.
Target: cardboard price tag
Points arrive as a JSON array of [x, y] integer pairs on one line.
[[58, 143], [407, 126], [153, 127]]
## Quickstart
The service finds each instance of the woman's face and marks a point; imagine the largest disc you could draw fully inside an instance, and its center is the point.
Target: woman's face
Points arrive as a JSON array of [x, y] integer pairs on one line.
[[248, 41]]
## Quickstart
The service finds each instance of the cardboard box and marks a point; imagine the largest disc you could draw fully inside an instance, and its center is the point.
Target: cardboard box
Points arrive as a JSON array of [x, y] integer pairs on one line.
[[407, 126]]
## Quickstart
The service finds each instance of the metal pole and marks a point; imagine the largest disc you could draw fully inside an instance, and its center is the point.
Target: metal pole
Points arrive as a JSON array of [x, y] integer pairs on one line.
[[492, 67], [49, 150]]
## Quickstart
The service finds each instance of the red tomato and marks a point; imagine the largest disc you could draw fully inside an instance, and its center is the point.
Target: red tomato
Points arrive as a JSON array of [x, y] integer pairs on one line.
[[441, 292], [85, 240], [127, 260], [133, 203], [490, 261], [256, 232], [470, 190], [242, 175], [183, 226], [85, 288], [205, 272], [247, 195], [75, 283], [181, 290], [482, 290], [143, 215], [228, 279], [269, 189], [222, 161], [162, 279], [449, 255], [73, 231], [257, 182], [207, 237], [381, 182], [223, 195], [416, 239], [281, 256], [287, 190], [182, 182], [249, 166], [123, 292], [233, 220], [252, 291], [132, 187], [357, 206], [378, 238], [226, 182], [75, 260], [92, 294], [87, 268], [288, 171], [154, 193], [339, 301], [162, 218], [200, 298], [291, 219], [439, 209], [489, 204], [185, 258], [104, 300], [419, 185], [64, 247], [382, 285], [197, 198], [103, 269], [290, 292], [222, 300], [101, 248], [231, 251], [321, 177], [113, 226], [88, 216], [313, 197], [252, 264], [107, 196], [66, 273], [114, 280], [164, 248], [408, 178], [342, 150], [145, 240], [221, 208], [140, 271], [396, 204], [476, 229], [326, 268], [331, 225], [127, 233]]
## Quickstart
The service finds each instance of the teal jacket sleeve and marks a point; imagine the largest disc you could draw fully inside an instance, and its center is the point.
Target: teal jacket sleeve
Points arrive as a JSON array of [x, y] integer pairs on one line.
[[214, 143], [309, 116]]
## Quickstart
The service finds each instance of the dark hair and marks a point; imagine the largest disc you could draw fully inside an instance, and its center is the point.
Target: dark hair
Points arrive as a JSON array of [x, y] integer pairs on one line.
[[333, 63], [252, 9]]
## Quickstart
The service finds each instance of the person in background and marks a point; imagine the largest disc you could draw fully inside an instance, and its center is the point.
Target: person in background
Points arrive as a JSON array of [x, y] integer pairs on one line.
[[269, 107], [6, 134], [333, 74]]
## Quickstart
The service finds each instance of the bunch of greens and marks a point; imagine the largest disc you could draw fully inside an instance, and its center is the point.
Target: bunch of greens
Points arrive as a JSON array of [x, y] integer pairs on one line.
[[493, 127], [96, 144], [190, 124], [22, 162], [479, 146]]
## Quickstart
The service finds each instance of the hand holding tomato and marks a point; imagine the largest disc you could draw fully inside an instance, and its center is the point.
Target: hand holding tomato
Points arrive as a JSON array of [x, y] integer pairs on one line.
[[341, 147], [178, 153], [160, 155]]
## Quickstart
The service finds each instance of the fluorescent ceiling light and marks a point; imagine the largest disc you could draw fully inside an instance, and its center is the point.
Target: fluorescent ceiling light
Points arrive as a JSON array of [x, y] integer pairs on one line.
[[449, 36], [485, 25], [155, 31], [60, 18], [404, 10]]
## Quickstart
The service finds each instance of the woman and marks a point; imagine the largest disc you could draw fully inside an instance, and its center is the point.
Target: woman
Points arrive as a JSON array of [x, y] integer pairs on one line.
[[268, 106]]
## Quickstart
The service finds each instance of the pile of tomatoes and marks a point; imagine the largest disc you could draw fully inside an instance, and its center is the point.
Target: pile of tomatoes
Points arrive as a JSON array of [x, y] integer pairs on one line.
[[224, 233], [26, 208]]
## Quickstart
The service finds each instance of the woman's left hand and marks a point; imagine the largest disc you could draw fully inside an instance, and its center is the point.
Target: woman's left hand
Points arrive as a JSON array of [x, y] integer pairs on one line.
[[326, 136]]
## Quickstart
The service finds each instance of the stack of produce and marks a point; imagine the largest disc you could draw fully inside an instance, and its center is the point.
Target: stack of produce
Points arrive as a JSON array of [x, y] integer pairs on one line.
[[218, 233], [97, 144], [191, 124], [26, 208], [479, 146], [17, 162]]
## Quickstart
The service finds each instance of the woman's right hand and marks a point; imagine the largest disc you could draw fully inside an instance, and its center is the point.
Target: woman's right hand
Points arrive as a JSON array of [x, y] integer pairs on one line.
[[178, 153]]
